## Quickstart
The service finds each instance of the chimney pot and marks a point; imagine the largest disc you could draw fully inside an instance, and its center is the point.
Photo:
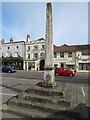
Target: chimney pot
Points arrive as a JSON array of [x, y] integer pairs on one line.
[[28, 38], [2, 41], [11, 40]]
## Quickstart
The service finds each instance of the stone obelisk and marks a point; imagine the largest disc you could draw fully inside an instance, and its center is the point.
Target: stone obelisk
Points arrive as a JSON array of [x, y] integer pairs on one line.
[[49, 77]]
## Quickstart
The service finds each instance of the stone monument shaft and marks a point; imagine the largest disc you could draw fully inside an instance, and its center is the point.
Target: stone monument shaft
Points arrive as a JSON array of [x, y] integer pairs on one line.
[[49, 77]]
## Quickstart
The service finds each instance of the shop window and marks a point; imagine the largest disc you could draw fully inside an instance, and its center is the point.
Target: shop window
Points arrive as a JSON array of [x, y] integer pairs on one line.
[[55, 65], [84, 66], [62, 64]]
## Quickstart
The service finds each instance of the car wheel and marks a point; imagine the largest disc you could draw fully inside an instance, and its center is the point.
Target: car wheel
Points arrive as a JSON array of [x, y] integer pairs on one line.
[[56, 74], [9, 71], [70, 75]]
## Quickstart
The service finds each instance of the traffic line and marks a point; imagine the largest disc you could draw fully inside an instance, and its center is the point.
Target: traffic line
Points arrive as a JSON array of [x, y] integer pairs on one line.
[[83, 91], [8, 94]]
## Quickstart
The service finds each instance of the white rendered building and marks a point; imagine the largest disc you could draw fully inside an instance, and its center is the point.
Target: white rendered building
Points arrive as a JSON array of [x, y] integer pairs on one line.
[[75, 57], [12, 48], [34, 54]]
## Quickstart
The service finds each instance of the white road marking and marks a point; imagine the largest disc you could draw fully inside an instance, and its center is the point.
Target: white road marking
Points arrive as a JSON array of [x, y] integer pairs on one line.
[[83, 91], [8, 94]]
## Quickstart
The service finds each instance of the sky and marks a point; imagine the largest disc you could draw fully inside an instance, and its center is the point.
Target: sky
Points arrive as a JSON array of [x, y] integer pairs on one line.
[[70, 21]]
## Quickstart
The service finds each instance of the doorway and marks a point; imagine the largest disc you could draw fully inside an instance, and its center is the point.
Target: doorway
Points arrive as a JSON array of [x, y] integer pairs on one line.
[[62, 64], [42, 64]]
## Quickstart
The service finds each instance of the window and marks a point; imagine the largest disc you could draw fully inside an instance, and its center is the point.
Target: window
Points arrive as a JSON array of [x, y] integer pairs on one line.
[[55, 55], [55, 65], [84, 66], [28, 47], [8, 48], [36, 47], [42, 54], [36, 55], [62, 54], [86, 52], [43, 46], [17, 47], [62, 65], [69, 54], [28, 56]]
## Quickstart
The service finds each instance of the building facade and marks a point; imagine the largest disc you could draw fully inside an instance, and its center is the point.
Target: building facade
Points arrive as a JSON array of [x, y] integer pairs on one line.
[[12, 53], [76, 57], [34, 54], [64, 56], [83, 58], [12, 48]]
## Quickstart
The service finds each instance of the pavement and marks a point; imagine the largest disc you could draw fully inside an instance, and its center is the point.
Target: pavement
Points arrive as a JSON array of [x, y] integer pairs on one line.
[[75, 93]]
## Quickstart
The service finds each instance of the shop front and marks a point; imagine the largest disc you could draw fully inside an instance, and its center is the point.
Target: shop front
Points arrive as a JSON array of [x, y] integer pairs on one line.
[[84, 65]]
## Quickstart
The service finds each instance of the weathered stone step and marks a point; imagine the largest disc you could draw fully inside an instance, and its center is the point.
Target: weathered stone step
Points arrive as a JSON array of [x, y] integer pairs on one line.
[[24, 112], [66, 115], [45, 92], [43, 99], [60, 115], [9, 115], [48, 107]]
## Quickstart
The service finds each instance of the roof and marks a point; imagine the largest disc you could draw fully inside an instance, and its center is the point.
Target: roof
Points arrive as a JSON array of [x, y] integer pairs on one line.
[[83, 47], [71, 48], [15, 42]]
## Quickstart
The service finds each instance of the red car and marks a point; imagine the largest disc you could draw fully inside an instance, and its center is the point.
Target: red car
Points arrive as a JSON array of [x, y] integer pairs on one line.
[[64, 72]]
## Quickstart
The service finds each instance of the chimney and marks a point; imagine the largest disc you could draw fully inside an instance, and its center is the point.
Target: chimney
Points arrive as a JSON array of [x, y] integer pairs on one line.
[[2, 41], [11, 40], [28, 38]]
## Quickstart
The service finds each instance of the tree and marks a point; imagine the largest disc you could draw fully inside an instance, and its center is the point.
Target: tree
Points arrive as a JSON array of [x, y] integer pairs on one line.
[[13, 61]]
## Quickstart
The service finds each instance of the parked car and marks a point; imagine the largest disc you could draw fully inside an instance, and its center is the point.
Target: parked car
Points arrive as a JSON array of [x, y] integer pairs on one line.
[[8, 69], [64, 72]]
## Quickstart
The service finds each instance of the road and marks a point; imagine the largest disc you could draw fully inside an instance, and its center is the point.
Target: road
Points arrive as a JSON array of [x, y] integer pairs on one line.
[[14, 83], [80, 78]]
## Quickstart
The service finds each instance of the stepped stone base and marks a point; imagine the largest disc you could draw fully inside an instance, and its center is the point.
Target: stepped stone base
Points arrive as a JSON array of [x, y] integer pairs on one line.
[[36, 103], [48, 84], [41, 102]]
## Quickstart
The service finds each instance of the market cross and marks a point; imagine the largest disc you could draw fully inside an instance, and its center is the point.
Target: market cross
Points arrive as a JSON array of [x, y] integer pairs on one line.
[[49, 77]]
